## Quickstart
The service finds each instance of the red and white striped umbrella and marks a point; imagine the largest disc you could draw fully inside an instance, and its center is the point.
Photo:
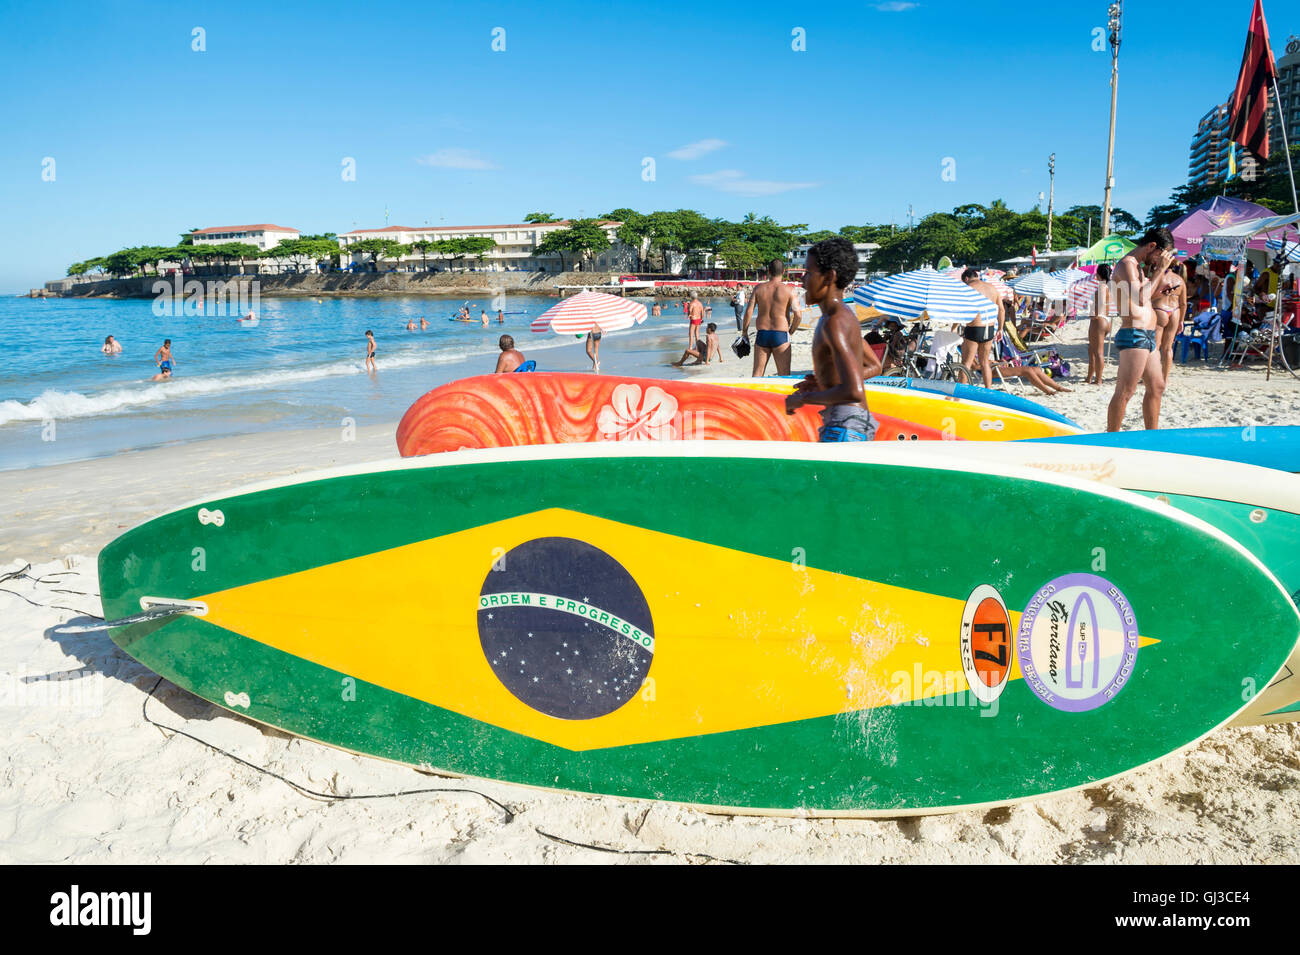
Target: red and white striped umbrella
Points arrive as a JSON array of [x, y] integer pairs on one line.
[[1082, 295], [579, 313], [1003, 289]]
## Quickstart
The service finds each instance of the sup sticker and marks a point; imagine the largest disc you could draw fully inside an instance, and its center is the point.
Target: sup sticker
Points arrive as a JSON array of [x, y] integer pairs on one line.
[[986, 647], [1078, 642], [565, 628]]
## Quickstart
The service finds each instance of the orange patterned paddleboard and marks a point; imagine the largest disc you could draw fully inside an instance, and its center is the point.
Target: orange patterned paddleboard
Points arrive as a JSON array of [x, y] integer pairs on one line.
[[495, 411]]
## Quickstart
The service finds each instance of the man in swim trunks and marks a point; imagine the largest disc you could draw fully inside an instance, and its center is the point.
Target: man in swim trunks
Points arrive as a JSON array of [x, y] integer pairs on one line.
[[704, 350], [775, 305], [836, 381], [1136, 339], [163, 359], [1170, 304], [510, 358], [695, 315], [370, 350], [977, 336], [111, 346]]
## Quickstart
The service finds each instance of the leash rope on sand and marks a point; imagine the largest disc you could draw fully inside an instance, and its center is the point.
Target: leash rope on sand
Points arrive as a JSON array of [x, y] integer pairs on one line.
[[161, 608], [634, 852], [329, 797]]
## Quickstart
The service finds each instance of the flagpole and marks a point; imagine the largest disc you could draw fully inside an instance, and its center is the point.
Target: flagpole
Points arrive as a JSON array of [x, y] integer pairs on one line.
[[1285, 148]]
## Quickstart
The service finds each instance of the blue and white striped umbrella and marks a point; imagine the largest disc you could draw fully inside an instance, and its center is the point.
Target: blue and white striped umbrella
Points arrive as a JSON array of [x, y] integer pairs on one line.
[[925, 295], [1040, 284], [1289, 250], [1069, 276]]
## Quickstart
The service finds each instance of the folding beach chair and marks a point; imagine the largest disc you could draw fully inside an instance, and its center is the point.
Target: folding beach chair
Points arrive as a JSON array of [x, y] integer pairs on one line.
[[1020, 347], [1047, 329]]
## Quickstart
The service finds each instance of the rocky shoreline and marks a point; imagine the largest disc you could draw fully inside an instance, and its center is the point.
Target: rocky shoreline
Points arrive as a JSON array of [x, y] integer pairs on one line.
[[379, 284]]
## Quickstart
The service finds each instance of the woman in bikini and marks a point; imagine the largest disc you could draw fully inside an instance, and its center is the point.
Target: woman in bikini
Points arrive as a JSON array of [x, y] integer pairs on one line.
[[1098, 327], [593, 347], [1171, 308]]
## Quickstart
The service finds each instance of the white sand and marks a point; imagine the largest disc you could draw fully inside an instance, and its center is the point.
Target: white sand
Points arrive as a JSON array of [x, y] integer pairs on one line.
[[86, 779]]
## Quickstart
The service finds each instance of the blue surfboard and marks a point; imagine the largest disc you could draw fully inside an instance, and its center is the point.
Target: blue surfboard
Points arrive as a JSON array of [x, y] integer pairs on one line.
[[1265, 446]]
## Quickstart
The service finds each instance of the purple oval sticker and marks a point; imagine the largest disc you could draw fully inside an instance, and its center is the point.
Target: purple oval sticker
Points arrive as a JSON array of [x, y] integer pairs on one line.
[[1077, 642]]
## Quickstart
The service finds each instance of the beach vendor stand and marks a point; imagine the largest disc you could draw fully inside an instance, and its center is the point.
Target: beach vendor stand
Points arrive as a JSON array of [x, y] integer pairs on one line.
[[1231, 244]]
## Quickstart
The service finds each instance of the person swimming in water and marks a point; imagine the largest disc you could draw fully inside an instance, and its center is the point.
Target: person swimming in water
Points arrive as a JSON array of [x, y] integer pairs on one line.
[[111, 346]]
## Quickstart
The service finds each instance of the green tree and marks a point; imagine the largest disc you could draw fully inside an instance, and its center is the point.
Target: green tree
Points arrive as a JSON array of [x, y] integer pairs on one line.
[[540, 217], [378, 249], [582, 239], [739, 254], [633, 233], [424, 247]]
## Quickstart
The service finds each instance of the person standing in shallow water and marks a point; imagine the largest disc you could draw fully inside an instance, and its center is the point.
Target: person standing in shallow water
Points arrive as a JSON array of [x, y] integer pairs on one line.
[[164, 360], [370, 350], [836, 381]]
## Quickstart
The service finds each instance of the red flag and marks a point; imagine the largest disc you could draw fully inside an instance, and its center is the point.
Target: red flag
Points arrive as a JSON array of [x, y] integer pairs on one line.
[[1034, 257], [1250, 98]]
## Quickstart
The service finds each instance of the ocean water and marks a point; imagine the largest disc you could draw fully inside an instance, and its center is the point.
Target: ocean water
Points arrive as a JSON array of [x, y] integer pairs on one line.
[[300, 366]]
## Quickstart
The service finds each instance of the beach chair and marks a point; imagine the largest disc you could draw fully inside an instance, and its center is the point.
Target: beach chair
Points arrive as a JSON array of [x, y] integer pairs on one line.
[[529, 365], [1200, 333], [1047, 329], [1022, 349]]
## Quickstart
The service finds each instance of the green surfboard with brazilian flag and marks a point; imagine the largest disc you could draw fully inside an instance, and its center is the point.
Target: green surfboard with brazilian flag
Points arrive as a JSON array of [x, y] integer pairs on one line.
[[667, 623]]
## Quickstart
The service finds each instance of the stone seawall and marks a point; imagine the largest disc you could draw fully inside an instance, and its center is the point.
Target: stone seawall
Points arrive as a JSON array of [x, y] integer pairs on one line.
[[476, 284]]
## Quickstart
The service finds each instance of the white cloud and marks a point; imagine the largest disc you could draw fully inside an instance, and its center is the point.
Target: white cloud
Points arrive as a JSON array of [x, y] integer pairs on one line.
[[896, 6], [698, 149], [456, 159], [733, 180]]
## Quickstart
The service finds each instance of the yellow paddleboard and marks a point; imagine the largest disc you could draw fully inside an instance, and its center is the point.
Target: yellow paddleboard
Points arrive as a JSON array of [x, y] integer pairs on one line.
[[955, 418]]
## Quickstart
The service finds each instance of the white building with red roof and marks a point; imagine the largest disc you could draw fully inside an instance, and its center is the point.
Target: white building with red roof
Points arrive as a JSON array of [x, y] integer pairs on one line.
[[515, 250], [264, 235]]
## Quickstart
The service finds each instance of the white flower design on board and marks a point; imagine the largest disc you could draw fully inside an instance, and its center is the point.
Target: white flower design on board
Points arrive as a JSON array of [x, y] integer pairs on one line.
[[631, 417]]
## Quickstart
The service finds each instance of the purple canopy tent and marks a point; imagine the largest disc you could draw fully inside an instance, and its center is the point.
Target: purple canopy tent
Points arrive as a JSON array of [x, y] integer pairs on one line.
[[1217, 213]]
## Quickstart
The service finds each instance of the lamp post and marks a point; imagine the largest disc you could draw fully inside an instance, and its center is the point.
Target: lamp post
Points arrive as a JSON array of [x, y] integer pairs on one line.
[[1115, 21], [1051, 196]]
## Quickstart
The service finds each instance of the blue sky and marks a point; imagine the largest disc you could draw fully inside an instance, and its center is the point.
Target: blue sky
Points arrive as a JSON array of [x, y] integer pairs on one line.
[[150, 138]]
